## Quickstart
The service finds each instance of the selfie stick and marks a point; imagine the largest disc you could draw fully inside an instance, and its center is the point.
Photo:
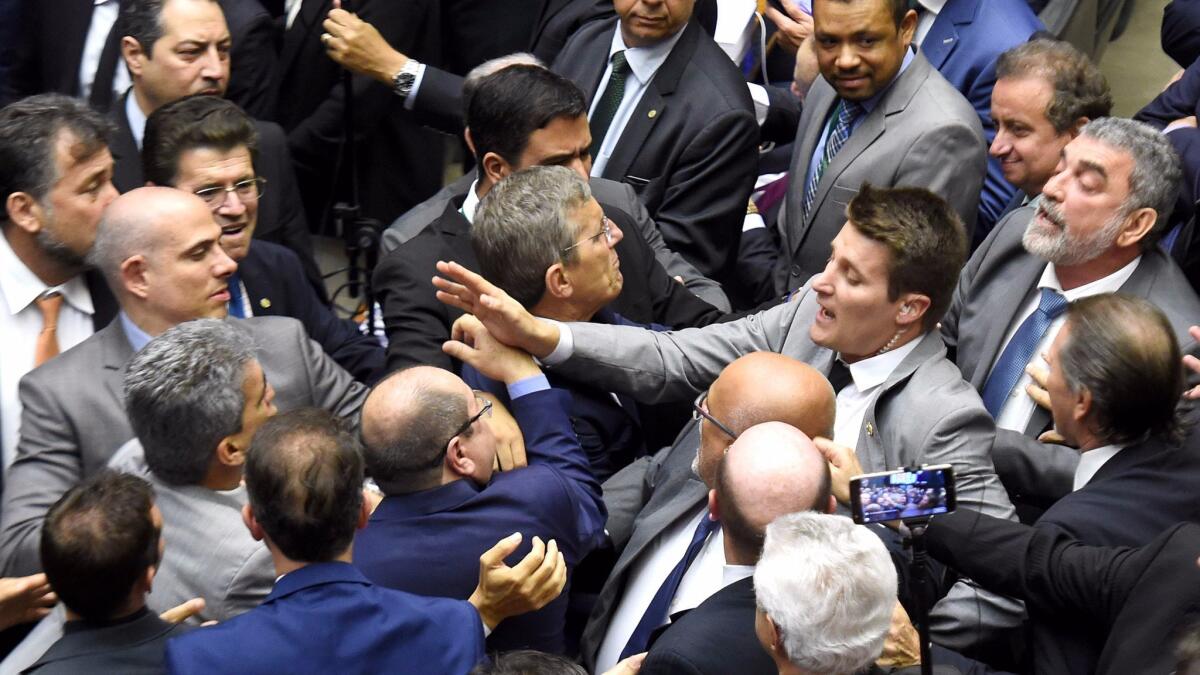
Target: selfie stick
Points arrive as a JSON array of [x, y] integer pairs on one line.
[[920, 585]]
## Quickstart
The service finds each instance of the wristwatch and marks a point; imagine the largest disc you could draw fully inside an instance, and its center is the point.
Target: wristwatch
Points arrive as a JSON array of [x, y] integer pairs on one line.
[[402, 81]]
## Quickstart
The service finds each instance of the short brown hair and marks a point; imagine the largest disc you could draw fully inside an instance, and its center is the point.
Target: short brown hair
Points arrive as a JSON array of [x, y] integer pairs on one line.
[[1080, 89], [925, 237], [197, 121]]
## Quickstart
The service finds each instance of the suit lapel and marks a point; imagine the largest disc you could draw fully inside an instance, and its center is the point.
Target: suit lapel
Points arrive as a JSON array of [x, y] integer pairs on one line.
[[115, 353], [870, 449], [549, 9], [302, 30], [128, 173], [691, 495], [821, 101], [942, 39]]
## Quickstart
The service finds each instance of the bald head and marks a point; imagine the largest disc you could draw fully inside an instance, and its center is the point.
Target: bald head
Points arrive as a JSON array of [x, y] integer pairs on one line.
[[134, 224], [771, 469]]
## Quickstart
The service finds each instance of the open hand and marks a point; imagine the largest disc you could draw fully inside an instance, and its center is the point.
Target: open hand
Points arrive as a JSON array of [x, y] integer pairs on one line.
[[505, 318], [24, 599], [505, 591]]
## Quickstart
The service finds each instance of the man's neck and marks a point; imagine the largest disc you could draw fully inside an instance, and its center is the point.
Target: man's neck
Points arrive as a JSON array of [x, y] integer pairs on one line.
[[734, 555], [891, 344], [1074, 276], [483, 185], [222, 478], [548, 308], [143, 102], [142, 318], [285, 565], [25, 247], [132, 606]]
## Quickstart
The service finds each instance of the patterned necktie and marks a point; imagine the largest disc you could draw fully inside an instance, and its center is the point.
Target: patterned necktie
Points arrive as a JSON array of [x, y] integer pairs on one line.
[[1020, 350], [610, 100], [235, 297], [839, 131], [46, 346], [656, 612]]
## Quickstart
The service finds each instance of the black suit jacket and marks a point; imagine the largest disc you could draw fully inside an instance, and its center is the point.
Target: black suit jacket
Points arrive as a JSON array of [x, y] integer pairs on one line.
[[275, 282], [417, 324], [689, 148], [135, 646], [1133, 602], [715, 638], [280, 218]]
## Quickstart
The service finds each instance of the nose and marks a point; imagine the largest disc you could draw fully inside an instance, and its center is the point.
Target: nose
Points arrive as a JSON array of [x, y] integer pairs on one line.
[[1001, 145], [617, 234], [231, 204], [223, 266], [822, 282], [212, 65], [1055, 187], [847, 58], [581, 165], [108, 193]]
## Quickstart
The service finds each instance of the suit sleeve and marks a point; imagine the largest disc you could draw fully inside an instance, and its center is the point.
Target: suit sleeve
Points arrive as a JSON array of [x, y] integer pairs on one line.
[[962, 290], [1181, 31], [415, 322], [783, 116], [254, 61], [950, 161], [250, 584], [332, 388], [1181, 99], [1037, 473], [438, 102], [668, 662]]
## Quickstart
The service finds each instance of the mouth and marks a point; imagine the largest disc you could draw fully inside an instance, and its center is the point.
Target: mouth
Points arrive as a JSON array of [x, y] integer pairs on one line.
[[824, 315], [233, 229], [221, 295], [852, 81], [1048, 216]]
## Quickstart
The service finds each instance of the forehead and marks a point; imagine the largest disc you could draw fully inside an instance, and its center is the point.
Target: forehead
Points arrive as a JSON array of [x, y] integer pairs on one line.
[[252, 381], [70, 154], [587, 217], [1025, 95], [185, 226], [200, 20], [1116, 162], [867, 255], [562, 134], [205, 164], [852, 16]]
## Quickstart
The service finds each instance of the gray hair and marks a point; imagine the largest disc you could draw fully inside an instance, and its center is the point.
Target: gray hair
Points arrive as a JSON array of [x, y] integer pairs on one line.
[[492, 66], [1154, 181], [183, 394], [1123, 350], [1079, 88], [523, 225], [830, 587]]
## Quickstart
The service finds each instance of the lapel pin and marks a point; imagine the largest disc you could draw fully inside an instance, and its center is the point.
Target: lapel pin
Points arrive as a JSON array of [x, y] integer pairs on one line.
[[265, 303], [651, 114], [870, 429], [947, 41]]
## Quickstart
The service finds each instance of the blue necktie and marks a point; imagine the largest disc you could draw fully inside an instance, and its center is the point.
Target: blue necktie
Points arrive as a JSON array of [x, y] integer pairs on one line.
[[843, 117], [1020, 350], [656, 613], [235, 297]]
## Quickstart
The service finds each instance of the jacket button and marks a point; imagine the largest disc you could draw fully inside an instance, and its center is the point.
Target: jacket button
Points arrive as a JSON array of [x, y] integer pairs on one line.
[[795, 270]]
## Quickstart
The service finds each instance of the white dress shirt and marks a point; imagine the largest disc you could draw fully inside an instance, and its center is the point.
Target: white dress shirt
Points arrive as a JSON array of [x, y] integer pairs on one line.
[[704, 577], [1091, 461], [20, 324], [853, 400], [137, 119], [291, 10], [104, 16], [471, 203], [644, 62], [930, 14], [1018, 408]]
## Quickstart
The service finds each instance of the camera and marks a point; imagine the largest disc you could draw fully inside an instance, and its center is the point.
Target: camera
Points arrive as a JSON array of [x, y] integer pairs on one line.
[[902, 494]]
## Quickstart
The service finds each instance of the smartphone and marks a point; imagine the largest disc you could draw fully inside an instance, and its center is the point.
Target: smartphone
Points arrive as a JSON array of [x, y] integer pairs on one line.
[[901, 494]]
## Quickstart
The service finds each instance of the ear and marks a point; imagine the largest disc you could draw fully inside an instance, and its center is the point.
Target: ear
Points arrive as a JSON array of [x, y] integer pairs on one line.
[[457, 460], [229, 452], [1137, 226], [251, 524], [558, 283], [24, 211], [912, 309], [714, 506], [831, 507], [908, 27], [773, 636], [133, 276], [469, 141], [364, 515], [495, 167], [131, 52], [1077, 126], [1082, 406]]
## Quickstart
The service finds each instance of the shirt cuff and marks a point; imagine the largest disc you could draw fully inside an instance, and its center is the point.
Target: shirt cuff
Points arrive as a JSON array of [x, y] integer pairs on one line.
[[529, 385], [486, 631], [565, 347], [411, 99], [762, 102], [753, 221]]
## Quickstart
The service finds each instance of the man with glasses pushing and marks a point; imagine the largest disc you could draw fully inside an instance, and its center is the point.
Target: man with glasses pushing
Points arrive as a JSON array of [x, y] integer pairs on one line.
[[208, 146]]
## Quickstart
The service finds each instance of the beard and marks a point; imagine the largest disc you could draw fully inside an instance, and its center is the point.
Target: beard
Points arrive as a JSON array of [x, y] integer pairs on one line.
[[1057, 245], [55, 248]]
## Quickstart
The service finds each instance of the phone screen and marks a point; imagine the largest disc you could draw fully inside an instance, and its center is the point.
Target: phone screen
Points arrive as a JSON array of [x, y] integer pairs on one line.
[[896, 495]]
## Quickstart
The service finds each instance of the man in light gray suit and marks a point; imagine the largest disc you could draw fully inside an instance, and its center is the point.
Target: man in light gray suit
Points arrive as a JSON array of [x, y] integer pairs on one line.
[[869, 321], [158, 249], [1095, 229], [900, 121]]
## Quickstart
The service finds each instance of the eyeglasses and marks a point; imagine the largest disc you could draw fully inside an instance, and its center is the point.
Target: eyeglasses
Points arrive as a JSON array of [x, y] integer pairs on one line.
[[605, 231], [700, 410], [247, 191], [485, 410]]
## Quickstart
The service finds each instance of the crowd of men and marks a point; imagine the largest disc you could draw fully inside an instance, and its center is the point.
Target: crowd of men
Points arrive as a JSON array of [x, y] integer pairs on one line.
[[627, 363]]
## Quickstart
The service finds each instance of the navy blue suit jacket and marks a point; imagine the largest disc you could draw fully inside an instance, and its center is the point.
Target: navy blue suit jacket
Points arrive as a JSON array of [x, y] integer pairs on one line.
[[275, 281], [429, 542], [1181, 31], [327, 618]]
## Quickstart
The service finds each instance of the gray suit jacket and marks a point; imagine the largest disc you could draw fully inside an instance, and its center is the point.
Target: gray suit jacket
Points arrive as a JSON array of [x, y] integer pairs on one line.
[[607, 191], [73, 418], [921, 133], [923, 414]]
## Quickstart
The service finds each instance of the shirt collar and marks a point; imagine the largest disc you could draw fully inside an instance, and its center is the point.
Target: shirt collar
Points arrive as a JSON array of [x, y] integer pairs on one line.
[[137, 337], [1109, 284], [471, 203], [644, 62], [932, 6], [869, 104], [21, 286], [874, 371], [734, 573], [137, 118], [1091, 461]]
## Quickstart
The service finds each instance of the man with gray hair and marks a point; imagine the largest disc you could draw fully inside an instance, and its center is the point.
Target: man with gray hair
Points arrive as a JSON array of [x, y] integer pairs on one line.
[[1094, 230], [826, 589], [158, 248]]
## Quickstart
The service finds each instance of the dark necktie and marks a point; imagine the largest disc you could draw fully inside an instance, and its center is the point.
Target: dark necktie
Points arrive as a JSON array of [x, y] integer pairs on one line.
[[656, 612], [840, 122], [1020, 350], [610, 100], [839, 376], [102, 82]]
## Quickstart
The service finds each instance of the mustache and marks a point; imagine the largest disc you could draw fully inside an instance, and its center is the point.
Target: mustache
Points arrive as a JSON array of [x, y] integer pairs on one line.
[[1052, 213]]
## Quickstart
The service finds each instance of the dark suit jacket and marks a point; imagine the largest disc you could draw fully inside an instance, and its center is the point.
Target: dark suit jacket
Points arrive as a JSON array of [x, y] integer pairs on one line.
[[274, 280], [327, 618], [1181, 31], [429, 542], [417, 324], [1133, 602], [715, 638], [280, 218], [689, 147], [131, 645]]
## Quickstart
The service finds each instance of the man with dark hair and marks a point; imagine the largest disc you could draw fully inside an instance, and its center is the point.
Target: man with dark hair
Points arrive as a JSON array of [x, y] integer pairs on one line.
[[55, 180], [867, 321], [519, 117], [176, 48], [304, 475], [101, 546], [208, 146], [431, 451]]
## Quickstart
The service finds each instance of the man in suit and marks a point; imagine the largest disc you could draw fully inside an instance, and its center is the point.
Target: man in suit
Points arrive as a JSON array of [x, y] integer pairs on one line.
[[900, 122], [1094, 230], [101, 547], [206, 145], [431, 452], [304, 475], [158, 248], [869, 321], [825, 590], [520, 117], [1181, 31], [772, 469], [181, 47], [48, 302]]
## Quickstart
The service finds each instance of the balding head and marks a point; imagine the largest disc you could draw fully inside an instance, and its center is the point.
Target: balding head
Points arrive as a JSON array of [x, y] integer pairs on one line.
[[764, 387], [771, 469]]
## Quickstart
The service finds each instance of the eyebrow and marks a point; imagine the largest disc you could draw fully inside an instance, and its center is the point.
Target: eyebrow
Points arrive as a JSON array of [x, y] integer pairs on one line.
[[198, 247], [1092, 166]]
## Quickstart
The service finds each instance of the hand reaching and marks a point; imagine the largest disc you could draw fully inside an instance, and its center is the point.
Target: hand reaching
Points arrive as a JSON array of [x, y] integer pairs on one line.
[[472, 343], [505, 591], [843, 465], [505, 318], [24, 599]]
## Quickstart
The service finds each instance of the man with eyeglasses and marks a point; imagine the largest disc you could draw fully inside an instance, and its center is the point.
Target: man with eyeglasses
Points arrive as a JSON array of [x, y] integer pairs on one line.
[[208, 146], [429, 446]]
